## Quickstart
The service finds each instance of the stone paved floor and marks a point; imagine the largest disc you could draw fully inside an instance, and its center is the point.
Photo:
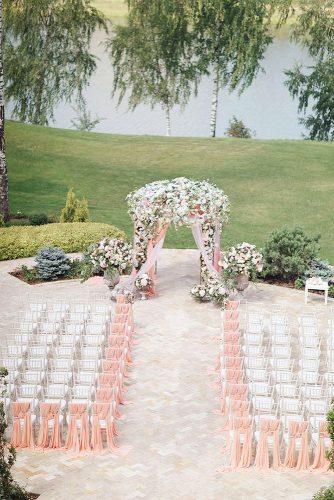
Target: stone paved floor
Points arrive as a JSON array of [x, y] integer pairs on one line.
[[170, 447]]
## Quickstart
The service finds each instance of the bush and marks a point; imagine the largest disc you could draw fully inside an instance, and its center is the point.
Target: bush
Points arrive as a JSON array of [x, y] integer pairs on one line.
[[325, 493], [319, 268], [38, 219], [331, 291], [238, 129], [16, 242], [2, 220], [288, 253], [9, 489], [52, 263], [68, 211], [81, 213]]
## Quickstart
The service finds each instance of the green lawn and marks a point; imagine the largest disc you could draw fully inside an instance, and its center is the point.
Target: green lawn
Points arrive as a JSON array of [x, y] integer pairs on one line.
[[113, 9], [270, 183]]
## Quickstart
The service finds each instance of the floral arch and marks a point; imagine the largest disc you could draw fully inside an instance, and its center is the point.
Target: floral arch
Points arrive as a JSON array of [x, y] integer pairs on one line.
[[200, 205]]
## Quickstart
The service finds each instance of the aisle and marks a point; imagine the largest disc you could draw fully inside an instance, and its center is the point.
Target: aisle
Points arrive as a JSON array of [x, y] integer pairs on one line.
[[170, 425]]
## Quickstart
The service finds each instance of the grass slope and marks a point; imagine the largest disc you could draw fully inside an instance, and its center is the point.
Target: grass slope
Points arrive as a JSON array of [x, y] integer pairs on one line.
[[113, 9], [269, 183]]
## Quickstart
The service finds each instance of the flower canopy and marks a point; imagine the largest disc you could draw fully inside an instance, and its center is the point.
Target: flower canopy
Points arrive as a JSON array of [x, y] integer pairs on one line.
[[177, 202]]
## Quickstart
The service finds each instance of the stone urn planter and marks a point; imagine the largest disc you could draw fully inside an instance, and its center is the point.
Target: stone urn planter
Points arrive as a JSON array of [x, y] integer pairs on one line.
[[111, 280], [242, 282]]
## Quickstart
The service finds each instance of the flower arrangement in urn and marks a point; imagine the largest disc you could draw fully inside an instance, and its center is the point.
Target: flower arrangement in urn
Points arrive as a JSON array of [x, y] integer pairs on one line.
[[113, 257], [144, 284], [213, 290], [241, 262]]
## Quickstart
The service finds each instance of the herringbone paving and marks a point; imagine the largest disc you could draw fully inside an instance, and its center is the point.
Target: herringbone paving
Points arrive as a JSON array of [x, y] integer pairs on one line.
[[170, 444]]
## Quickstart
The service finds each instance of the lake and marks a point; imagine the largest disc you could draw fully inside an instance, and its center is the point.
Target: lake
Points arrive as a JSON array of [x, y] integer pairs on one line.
[[266, 106]]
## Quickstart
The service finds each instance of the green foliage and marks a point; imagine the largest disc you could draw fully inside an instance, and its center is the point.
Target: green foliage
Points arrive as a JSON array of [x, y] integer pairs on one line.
[[29, 275], [319, 268], [325, 493], [152, 55], [238, 129], [2, 220], [330, 427], [52, 263], [288, 253], [38, 219], [9, 489], [81, 213], [75, 210], [68, 212], [299, 283], [313, 86], [84, 121], [75, 268], [331, 291], [47, 54], [16, 242]]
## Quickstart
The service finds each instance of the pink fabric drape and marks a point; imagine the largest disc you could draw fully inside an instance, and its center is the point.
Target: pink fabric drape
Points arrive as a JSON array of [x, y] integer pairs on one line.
[[119, 328], [120, 299], [320, 461], [234, 362], [231, 315], [239, 407], [102, 412], [232, 304], [234, 375], [241, 450], [297, 430], [230, 325], [268, 428], [78, 441], [231, 337], [232, 350], [22, 437], [49, 412]]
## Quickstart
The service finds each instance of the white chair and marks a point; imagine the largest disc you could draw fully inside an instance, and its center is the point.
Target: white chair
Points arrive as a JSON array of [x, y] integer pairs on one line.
[[56, 392], [317, 406], [73, 329], [283, 377], [61, 364], [278, 339], [64, 351], [312, 392], [95, 329], [253, 339], [93, 340], [312, 342], [85, 378], [260, 389], [16, 351], [290, 406], [48, 327], [81, 392], [32, 377], [36, 364], [91, 352], [254, 363], [281, 351], [38, 351], [254, 328], [87, 365], [306, 377], [310, 353], [287, 390], [59, 377], [257, 375], [253, 350], [312, 365], [285, 364]]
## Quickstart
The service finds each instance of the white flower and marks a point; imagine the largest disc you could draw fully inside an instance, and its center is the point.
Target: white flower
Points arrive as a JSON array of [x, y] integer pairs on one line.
[[201, 293]]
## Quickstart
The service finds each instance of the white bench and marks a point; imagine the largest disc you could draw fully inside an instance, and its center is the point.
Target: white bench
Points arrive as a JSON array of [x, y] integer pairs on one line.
[[316, 284]]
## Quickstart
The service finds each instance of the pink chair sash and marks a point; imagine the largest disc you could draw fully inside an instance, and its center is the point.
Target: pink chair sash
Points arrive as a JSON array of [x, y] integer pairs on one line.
[[22, 438], [230, 326], [232, 304], [231, 337], [118, 328], [297, 430], [74, 441], [235, 391], [114, 353], [234, 375], [232, 350], [120, 299], [268, 428], [109, 365], [239, 407], [231, 315], [234, 362], [49, 412], [122, 308], [320, 461], [117, 341], [241, 453], [102, 411]]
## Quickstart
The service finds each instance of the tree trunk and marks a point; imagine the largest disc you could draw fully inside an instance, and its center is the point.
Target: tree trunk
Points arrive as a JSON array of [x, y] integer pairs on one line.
[[4, 205], [214, 102], [167, 111]]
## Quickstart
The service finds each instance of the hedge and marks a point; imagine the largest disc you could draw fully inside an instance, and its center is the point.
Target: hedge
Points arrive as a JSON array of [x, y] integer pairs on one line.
[[24, 241]]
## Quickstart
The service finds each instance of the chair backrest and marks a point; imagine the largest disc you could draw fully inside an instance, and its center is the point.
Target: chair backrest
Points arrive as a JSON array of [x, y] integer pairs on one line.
[[56, 391]]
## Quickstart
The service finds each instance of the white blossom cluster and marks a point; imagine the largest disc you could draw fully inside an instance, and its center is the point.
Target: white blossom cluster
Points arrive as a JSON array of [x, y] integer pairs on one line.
[[143, 282], [213, 290], [111, 253], [242, 258]]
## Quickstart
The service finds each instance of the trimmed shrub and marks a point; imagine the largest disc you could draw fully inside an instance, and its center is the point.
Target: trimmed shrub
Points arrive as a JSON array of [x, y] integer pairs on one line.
[[52, 263], [24, 241], [238, 129], [288, 253], [81, 213], [38, 219], [2, 220], [67, 213]]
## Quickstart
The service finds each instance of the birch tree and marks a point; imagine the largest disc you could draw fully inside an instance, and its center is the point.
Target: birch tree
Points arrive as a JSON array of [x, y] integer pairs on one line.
[[47, 54], [313, 85], [152, 58], [4, 205], [231, 39]]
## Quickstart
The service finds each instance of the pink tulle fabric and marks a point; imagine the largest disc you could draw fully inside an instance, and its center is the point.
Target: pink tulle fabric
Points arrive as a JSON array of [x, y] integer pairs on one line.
[[22, 437], [297, 431], [102, 418], [232, 304], [231, 337], [230, 326], [78, 430], [49, 412], [231, 315], [320, 461], [241, 448], [268, 428]]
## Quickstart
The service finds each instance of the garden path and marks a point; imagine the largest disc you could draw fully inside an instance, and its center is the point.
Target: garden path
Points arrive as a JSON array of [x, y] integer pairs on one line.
[[170, 444]]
